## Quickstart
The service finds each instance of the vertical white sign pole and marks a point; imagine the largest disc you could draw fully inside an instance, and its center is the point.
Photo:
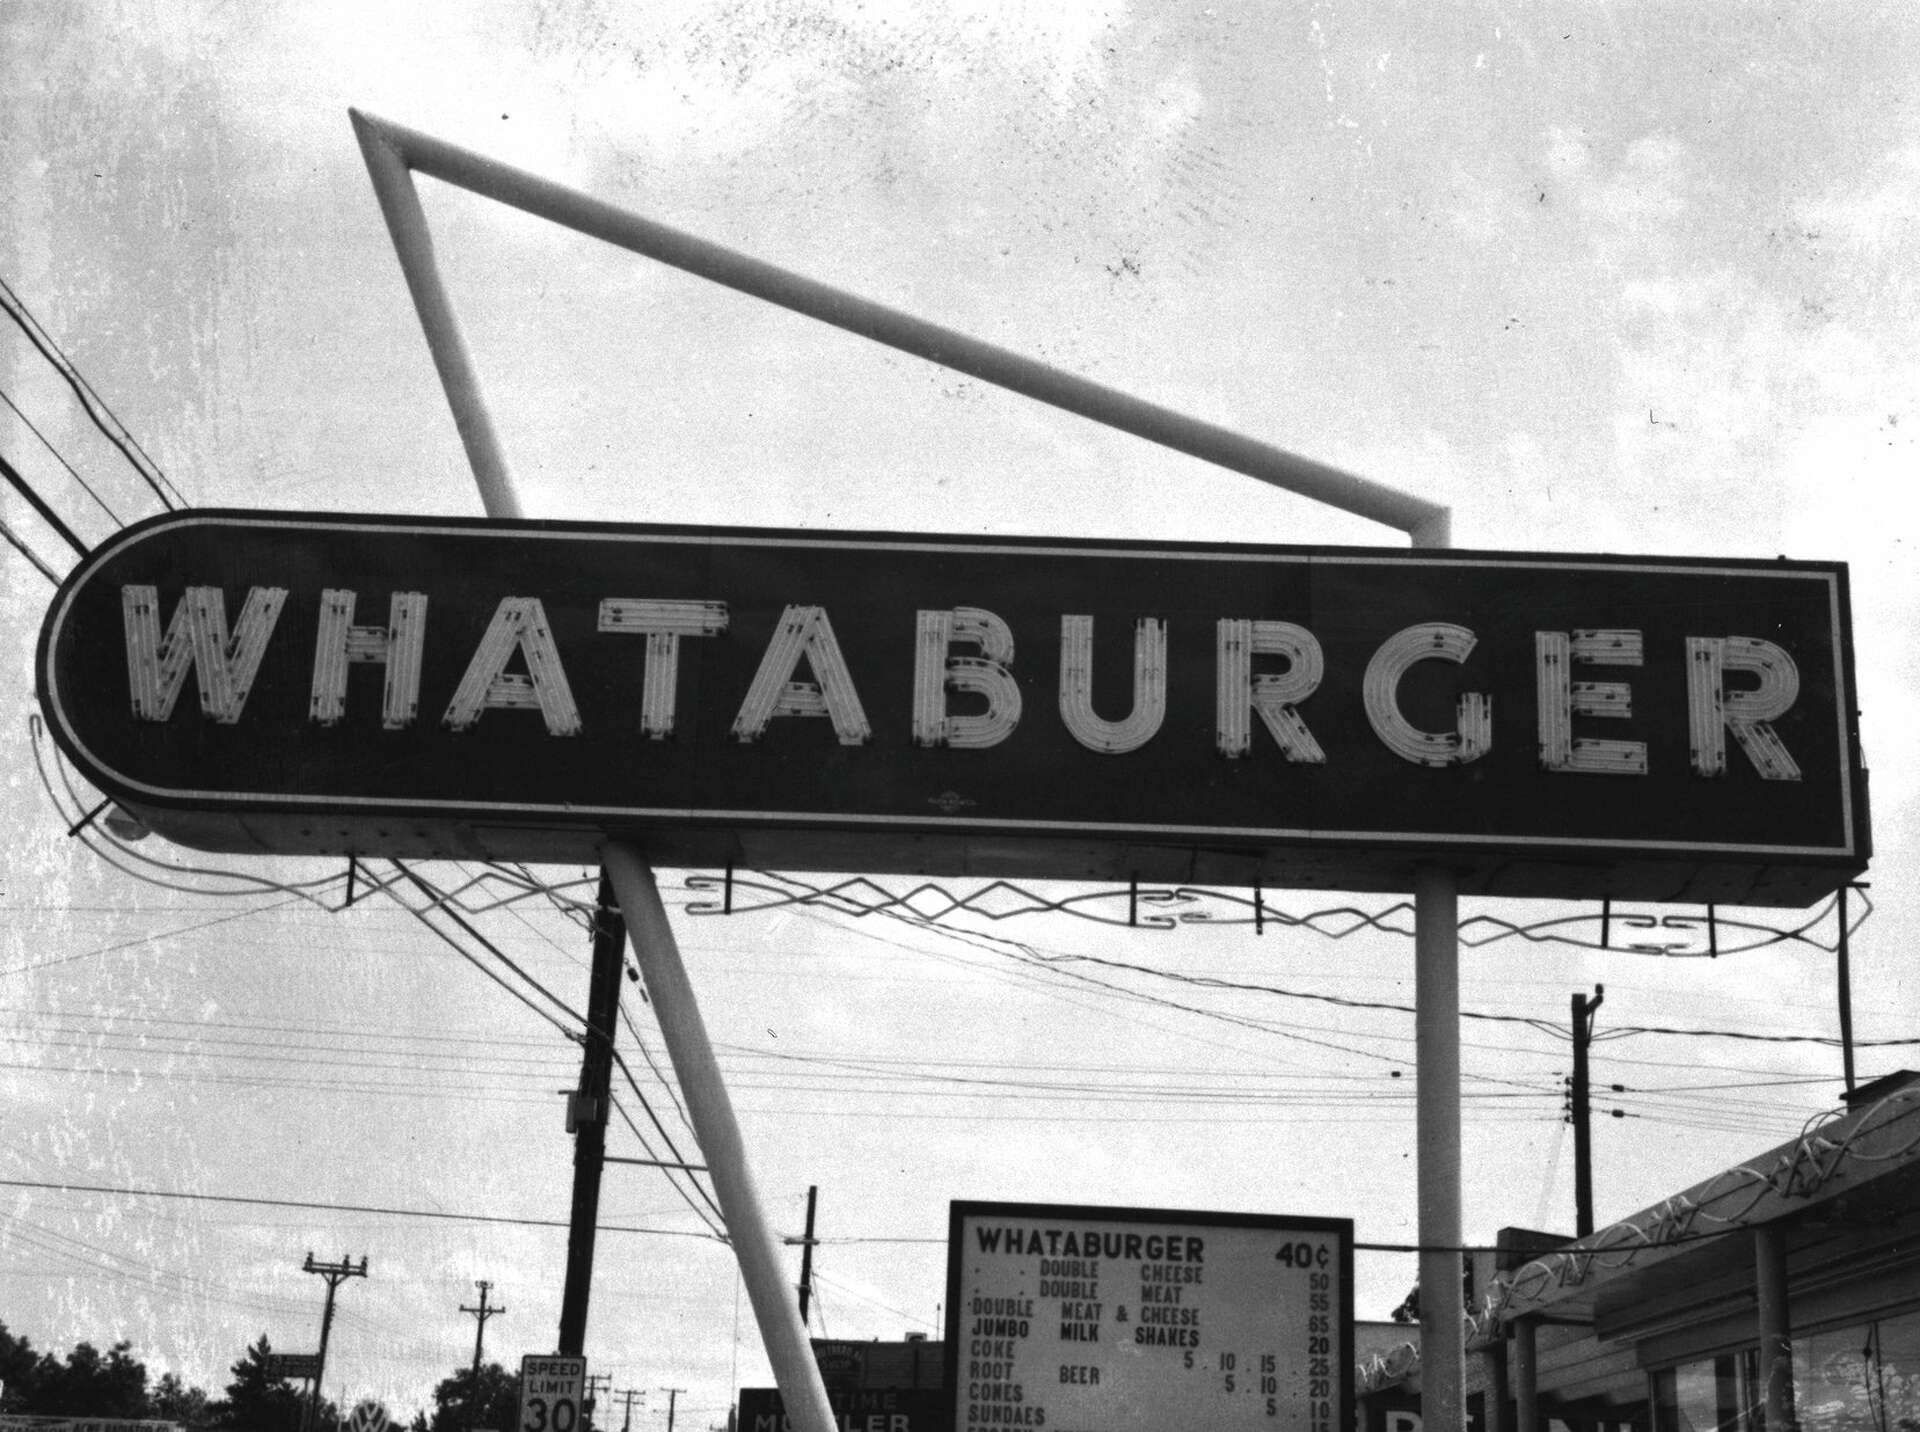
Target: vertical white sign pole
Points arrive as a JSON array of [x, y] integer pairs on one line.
[[708, 1106], [1436, 958], [1436, 954]]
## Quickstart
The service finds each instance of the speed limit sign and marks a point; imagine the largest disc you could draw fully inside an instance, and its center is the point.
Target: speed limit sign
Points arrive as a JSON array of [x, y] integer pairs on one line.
[[552, 1393]]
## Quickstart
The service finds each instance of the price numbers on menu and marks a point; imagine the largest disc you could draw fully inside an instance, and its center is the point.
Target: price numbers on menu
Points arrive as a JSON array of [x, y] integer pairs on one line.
[[1311, 1257], [1260, 1375], [1302, 1255], [1231, 1378]]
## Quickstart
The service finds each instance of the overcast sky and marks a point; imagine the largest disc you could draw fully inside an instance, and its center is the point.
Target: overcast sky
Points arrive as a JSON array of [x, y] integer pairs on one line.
[[1631, 278]]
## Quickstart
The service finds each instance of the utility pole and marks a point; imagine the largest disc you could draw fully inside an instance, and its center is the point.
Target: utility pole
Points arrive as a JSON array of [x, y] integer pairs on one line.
[[673, 1396], [335, 1274], [587, 1117], [806, 1255], [1583, 1012], [481, 1314], [597, 1383], [626, 1422]]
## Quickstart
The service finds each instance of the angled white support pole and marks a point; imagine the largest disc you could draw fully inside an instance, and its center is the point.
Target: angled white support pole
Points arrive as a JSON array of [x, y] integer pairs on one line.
[[658, 953], [407, 224], [711, 1112], [391, 153], [393, 149]]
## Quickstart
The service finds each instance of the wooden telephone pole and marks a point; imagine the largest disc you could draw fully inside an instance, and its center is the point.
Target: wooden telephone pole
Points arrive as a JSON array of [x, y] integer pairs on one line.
[[589, 1117], [481, 1314], [335, 1274]]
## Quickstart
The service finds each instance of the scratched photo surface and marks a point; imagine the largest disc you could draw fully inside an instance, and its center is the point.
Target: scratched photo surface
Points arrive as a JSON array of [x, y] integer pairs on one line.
[[1630, 281]]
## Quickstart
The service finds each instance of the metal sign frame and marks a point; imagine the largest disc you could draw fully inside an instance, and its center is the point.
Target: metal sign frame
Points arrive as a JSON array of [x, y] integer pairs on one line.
[[527, 690]]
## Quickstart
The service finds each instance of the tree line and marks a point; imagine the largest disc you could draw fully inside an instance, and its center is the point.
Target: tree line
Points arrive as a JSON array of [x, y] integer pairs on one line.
[[89, 1383]]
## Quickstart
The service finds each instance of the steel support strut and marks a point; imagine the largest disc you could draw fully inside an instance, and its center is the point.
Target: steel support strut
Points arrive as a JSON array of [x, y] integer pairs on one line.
[[392, 150], [710, 1111]]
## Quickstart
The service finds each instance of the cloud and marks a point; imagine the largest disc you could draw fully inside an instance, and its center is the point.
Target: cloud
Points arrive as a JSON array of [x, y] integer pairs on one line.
[[1879, 215]]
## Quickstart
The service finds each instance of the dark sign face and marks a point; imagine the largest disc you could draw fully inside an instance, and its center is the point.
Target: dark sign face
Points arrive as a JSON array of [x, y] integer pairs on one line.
[[1545, 725]]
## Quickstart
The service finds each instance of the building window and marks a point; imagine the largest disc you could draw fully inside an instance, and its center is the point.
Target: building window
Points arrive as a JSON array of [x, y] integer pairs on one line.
[[1860, 1379], [1716, 1394], [1864, 1378]]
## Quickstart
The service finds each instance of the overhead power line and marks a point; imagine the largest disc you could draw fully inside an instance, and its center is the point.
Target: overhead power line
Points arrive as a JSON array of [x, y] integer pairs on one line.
[[95, 406], [438, 1214], [60, 457], [438, 901], [1829, 1040], [672, 1147], [39, 504]]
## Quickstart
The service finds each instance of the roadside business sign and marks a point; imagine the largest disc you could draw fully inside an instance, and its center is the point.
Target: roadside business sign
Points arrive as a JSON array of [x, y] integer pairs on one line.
[[553, 1392], [293, 1365], [1148, 1320], [1652, 728], [880, 1409]]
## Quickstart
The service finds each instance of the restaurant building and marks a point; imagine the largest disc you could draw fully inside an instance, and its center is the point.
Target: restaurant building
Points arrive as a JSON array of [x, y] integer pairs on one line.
[[1781, 1293]]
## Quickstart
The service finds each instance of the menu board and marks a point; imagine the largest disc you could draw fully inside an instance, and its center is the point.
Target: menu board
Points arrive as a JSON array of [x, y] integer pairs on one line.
[[1081, 1319]]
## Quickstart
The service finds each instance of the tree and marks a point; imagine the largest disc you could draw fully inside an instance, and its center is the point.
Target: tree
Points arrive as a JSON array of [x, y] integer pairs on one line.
[[19, 1371], [256, 1401], [173, 1401], [1409, 1309], [463, 1401], [89, 1385]]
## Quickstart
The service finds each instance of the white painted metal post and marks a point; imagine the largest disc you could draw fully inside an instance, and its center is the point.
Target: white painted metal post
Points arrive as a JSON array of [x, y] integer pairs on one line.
[[708, 1107], [711, 1113], [413, 243], [393, 151], [1436, 954]]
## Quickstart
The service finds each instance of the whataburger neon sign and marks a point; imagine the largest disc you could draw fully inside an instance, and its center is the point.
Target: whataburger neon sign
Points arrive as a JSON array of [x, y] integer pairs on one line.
[[888, 702]]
